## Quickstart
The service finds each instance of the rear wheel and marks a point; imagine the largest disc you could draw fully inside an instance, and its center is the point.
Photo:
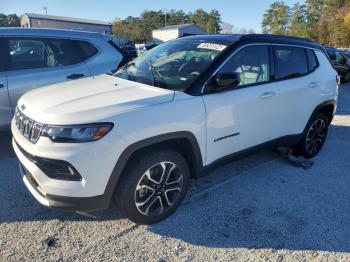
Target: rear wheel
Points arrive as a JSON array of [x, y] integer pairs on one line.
[[153, 187], [314, 136]]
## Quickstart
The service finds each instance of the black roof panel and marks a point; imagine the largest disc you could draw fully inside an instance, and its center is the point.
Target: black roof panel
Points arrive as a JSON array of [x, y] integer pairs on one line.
[[214, 38], [266, 38]]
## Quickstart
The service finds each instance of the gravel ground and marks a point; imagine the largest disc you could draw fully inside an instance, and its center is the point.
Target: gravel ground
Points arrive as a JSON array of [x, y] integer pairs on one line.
[[258, 208]]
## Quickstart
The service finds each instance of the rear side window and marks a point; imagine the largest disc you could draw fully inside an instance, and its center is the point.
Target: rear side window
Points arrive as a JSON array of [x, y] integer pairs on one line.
[[311, 57], [32, 53], [251, 63], [290, 62]]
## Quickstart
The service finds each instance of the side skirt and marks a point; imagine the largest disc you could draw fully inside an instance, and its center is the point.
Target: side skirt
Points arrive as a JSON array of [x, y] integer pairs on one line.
[[289, 141]]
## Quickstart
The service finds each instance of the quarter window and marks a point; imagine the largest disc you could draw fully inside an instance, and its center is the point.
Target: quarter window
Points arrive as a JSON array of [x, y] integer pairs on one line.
[[290, 62], [311, 57], [251, 63], [30, 53], [331, 54]]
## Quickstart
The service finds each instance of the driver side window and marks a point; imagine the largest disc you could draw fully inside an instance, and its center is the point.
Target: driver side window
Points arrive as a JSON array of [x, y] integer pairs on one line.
[[252, 65]]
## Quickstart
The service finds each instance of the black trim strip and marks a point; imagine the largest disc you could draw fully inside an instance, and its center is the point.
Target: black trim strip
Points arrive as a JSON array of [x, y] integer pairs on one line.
[[225, 137]]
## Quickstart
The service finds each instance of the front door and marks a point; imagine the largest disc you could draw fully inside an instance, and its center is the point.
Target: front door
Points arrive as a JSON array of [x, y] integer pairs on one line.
[[241, 117]]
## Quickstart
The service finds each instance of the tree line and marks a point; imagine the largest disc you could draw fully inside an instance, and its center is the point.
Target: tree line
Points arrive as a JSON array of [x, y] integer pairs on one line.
[[324, 21], [9, 20], [139, 29]]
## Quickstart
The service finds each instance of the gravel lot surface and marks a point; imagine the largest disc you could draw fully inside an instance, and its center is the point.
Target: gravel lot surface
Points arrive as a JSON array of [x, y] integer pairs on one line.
[[258, 208]]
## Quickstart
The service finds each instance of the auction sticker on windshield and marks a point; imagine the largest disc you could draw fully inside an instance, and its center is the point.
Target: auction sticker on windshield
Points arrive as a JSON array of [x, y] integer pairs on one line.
[[212, 46]]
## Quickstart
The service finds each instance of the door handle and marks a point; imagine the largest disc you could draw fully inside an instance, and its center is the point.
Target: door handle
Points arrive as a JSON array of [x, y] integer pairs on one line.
[[75, 76], [1, 86], [267, 95], [313, 84]]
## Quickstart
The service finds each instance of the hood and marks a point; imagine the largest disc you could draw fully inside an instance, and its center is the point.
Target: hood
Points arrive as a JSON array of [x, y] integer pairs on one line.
[[89, 100]]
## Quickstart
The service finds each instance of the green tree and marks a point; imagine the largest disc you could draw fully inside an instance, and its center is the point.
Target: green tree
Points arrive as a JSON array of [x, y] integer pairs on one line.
[[139, 29], [177, 17], [314, 12], [214, 22], [11, 20], [276, 19], [200, 18], [298, 21]]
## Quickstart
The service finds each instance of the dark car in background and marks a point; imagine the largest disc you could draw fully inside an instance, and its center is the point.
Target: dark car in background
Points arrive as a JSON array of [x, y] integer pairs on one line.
[[130, 52], [340, 62], [346, 53]]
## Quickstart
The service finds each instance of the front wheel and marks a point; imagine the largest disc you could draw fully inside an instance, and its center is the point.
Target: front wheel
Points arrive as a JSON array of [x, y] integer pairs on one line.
[[152, 189], [314, 136]]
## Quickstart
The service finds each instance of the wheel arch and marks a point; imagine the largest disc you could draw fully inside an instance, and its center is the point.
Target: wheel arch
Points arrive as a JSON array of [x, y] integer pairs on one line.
[[328, 108], [185, 142]]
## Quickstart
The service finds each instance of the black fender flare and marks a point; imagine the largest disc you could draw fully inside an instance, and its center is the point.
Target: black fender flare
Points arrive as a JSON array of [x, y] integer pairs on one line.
[[324, 104], [131, 149]]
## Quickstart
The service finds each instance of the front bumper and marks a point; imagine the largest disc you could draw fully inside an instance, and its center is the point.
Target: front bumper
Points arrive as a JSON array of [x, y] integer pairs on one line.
[[94, 161], [85, 204]]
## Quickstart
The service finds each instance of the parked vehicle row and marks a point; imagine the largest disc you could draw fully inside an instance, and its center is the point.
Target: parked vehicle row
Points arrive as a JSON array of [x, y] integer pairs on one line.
[[340, 62], [138, 136], [31, 58]]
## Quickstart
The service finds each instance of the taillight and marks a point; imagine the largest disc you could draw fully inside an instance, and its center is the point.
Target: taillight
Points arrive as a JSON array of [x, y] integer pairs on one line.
[[338, 79]]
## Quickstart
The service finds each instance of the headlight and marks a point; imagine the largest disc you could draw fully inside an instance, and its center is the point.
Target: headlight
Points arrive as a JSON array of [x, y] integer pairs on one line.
[[77, 133]]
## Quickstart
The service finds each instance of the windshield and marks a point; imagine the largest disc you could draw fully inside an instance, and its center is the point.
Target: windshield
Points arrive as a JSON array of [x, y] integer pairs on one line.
[[173, 65]]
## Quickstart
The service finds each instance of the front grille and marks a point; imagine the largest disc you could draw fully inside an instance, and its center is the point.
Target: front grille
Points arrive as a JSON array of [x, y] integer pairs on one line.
[[29, 128]]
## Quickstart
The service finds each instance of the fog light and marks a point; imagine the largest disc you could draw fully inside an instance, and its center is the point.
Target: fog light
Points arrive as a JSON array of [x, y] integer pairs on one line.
[[58, 169]]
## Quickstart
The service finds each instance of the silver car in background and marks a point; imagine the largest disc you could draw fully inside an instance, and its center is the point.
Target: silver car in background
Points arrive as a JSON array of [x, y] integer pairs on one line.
[[32, 58]]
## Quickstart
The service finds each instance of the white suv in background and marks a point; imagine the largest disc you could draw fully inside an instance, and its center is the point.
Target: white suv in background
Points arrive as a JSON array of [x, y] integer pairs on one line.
[[32, 58], [138, 136]]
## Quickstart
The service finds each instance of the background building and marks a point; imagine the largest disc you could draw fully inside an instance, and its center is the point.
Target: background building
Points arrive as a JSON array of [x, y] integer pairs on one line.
[[61, 22], [167, 33]]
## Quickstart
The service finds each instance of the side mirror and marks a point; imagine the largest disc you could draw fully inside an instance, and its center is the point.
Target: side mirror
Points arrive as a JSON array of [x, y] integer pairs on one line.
[[225, 80]]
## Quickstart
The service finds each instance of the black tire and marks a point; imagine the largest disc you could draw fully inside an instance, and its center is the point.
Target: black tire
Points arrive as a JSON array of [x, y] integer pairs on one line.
[[135, 186], [314, 136]]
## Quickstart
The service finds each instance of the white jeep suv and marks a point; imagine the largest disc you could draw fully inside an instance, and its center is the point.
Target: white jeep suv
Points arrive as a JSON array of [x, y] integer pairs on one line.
[[138, 136]]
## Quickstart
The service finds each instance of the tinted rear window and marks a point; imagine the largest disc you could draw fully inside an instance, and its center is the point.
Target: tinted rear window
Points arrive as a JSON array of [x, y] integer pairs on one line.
[[32, 53], [290, 62]]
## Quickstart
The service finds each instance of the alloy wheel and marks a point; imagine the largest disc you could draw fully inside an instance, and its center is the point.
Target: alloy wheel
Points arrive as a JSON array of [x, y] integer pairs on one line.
[[316, 136], [158, 189]]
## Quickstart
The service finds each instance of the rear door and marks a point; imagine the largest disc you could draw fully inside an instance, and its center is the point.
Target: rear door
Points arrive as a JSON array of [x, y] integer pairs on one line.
[[35, 62], [299, 81], [5, 106]]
